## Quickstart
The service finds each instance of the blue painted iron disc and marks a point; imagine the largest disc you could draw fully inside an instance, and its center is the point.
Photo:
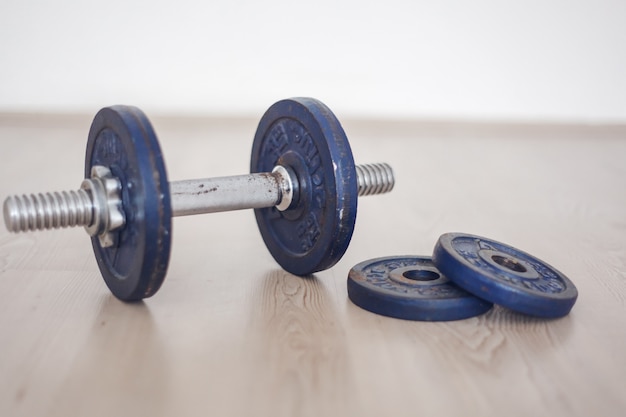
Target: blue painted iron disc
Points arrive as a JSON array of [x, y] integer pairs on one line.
[[504, 275], [303, 135], [410, 288], [122, 139]]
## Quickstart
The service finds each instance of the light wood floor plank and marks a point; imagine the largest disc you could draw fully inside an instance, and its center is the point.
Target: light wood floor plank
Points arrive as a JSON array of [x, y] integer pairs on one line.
[[230, 333]]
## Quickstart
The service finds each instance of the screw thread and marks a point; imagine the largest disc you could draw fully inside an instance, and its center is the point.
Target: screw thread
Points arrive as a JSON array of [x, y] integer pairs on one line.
[[48, 211], [375, 179]]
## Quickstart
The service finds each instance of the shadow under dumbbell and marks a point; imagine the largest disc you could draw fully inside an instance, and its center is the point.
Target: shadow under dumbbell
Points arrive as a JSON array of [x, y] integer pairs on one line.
[[298, 343], [121, 366]]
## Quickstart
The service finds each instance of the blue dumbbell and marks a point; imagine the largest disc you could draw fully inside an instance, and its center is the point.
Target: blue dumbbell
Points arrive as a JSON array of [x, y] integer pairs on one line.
[[303, 186]]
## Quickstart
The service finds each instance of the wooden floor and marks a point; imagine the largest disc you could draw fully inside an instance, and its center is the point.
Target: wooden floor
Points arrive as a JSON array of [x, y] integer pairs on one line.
[[230, 333]]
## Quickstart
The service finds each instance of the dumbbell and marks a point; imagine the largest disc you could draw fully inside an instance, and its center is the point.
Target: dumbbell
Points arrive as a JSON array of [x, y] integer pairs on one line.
[[303, 186]]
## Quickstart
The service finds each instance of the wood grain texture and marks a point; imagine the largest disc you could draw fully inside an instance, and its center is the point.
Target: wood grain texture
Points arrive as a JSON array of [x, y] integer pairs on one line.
[[230, 333]]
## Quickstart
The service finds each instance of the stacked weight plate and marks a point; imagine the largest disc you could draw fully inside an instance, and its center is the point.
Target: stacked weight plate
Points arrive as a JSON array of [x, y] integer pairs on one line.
[[465, 276]]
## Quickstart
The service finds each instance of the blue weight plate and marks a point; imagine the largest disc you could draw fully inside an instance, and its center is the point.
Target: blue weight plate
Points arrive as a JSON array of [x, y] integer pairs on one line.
[[302, 134], [504, 275], [122, 139], [410, 288]]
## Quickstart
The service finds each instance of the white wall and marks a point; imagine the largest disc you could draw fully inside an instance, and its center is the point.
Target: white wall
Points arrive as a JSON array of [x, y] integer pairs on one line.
[[522, 59]]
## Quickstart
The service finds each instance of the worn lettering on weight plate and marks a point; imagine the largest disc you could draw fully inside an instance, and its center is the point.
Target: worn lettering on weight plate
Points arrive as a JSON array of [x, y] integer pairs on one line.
[[549, 281], [377, 274], [308, 232], [288, 135]]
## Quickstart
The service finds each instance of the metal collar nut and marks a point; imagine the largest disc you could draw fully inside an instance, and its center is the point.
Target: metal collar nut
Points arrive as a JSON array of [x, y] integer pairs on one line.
[[108, 216]]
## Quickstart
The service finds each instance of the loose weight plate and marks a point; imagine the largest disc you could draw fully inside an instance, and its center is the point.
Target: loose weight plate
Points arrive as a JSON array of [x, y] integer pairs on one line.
[[411, 288], [122, 139], [504, 275], [304, 136]]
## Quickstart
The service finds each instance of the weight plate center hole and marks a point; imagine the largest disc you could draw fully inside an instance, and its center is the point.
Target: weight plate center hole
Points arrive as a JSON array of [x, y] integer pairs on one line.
[[421, 275], [509, 263]]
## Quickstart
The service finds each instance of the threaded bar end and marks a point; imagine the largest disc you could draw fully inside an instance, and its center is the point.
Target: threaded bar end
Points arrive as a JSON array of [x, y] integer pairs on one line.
[[48, 211], [375, 179]]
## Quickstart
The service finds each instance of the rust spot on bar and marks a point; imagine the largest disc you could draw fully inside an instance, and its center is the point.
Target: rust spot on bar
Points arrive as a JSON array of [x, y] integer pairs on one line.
[[206, 191]]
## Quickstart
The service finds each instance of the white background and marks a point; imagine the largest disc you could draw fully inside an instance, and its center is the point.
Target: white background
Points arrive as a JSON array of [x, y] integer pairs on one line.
[[546, 60]]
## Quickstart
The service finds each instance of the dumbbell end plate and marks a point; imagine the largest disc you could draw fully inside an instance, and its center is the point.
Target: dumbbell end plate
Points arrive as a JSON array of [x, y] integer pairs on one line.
[[122, 139], [304, 136]]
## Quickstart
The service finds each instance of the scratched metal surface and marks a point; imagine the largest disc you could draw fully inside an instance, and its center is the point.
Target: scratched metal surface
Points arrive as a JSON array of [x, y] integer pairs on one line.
[[229, 333]]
